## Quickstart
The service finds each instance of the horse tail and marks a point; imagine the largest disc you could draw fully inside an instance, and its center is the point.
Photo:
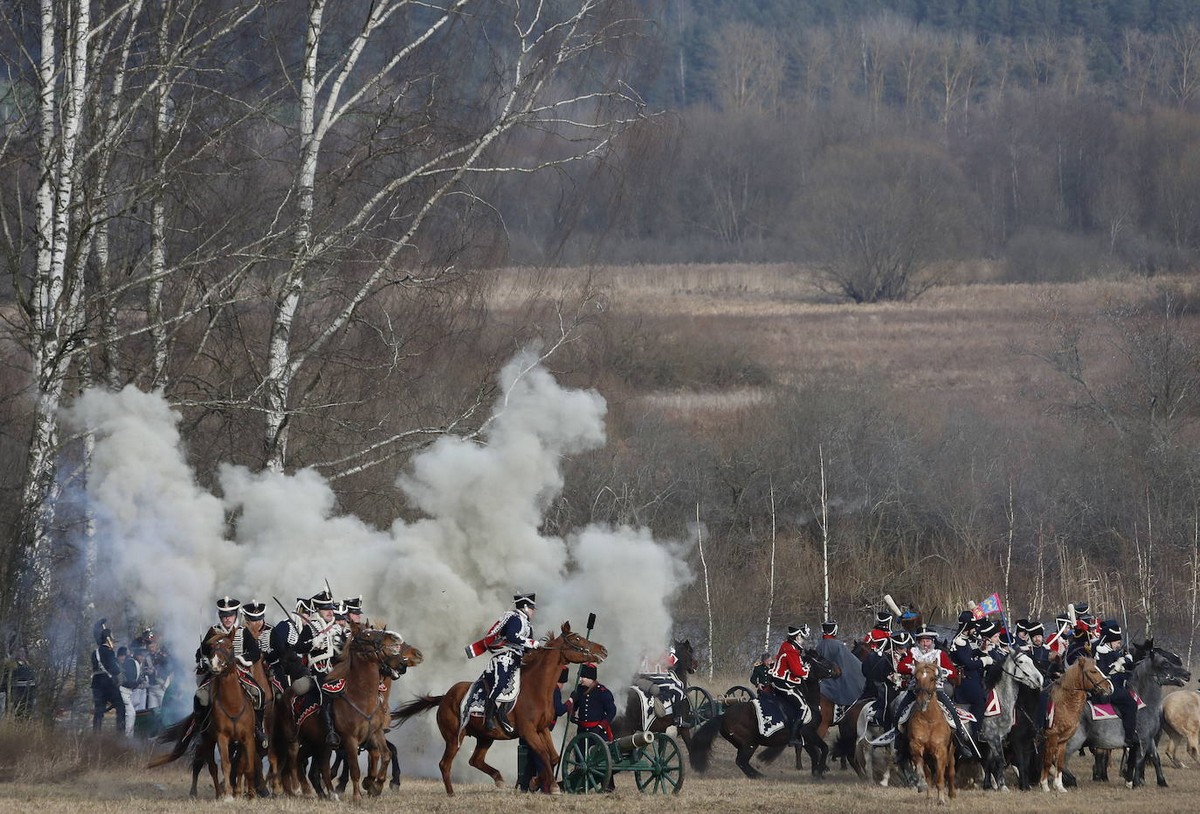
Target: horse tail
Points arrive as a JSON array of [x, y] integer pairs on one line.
[[179, 733], [702, 741], [413, 708]]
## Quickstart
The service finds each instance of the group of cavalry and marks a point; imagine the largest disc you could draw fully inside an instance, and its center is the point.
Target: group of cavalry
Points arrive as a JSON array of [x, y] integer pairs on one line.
[[312, 691], [931, 699]]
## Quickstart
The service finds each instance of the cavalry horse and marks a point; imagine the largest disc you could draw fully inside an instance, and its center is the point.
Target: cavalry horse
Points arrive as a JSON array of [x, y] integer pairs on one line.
[[930, 735], [631, 720], [228, 727], [738, 724], [531, 714], [1153, 669], [1018, 670], [358, 688], [1181, 724], [1067, 697]]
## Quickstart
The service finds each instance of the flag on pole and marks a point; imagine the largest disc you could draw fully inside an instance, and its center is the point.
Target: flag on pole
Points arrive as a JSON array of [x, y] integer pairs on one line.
[[991, 605]]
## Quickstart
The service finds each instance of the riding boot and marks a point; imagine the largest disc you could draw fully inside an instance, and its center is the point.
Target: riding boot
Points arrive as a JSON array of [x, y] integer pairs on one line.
[[331, 736], [500, 716], [259, 734]]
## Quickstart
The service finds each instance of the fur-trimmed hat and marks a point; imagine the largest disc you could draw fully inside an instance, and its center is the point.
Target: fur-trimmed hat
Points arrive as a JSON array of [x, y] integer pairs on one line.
[[525, 600], [227, 605], [322, 601], [588, 671], [254, 610], [829, 627], [925, 633]]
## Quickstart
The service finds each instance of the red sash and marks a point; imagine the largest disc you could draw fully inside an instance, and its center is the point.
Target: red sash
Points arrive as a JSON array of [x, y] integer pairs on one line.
[[603, 726]]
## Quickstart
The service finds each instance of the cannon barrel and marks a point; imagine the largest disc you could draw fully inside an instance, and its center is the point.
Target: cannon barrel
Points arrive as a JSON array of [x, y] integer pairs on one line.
[[635, 741]]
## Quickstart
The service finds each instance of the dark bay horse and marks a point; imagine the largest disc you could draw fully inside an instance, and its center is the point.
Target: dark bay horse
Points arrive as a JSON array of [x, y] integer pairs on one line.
[[1153, 669], [930, 736], [531, 714], [631, 720], [228, 727], [738, 724], [1067, 697]]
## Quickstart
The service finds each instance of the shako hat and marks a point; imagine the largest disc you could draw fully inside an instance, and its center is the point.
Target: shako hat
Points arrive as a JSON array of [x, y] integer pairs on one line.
[[528, 600], [353, 604], [883, 620], [254, 610], [829, 627], [227, 605], [925, 633], [322, 601], [987, 627]]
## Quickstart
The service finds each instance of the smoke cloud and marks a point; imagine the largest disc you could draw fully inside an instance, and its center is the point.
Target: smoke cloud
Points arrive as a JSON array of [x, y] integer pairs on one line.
[[440, 581]]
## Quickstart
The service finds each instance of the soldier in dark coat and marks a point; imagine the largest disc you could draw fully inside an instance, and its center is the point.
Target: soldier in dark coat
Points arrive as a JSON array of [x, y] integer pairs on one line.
[[592, 705], [972, 661], [1114, 662], [846, 688], [106, 678]]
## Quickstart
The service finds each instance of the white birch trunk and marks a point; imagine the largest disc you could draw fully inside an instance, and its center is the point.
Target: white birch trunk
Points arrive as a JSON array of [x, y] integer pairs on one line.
[[707, 591]]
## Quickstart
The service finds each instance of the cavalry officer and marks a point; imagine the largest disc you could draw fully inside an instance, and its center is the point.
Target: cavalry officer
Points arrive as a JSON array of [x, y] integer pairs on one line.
[[1114, 662], [973, 660], [882, 629], [106, 678], [353, 609], [658, 679], [245, 649], [926, 651], [878, 669], [507, 640], [321, 642], [790, 670], [847, 687], [257, 627], [1031, 640]]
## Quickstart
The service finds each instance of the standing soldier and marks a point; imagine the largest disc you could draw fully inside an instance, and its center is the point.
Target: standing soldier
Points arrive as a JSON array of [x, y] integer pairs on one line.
[[131, 677], [106, 678], [507, 640], [592, 704]]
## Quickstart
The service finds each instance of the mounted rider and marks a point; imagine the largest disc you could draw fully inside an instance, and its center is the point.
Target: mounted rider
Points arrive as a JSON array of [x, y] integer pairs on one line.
[[658, 680], [496, 690], [880, 680], [1114, 662], [254, 615], [321, 641], [847, 687], [974, 659], [1031, 640], [1085, 633], [789, 671], [246, 652], [926, 651]]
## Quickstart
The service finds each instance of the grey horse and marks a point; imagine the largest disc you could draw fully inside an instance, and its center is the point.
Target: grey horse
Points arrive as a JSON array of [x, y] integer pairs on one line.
[[1154, 669], [1018, 669]]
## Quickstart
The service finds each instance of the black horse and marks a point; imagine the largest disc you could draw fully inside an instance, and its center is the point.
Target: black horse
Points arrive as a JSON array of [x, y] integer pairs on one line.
[[630, 720], [738, 724]]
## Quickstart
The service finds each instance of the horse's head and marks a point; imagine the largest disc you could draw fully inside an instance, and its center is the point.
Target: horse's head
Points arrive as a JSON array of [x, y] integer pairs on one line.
[[1169, 669], [685, 657], [819, 667], [575, 648], [1024, 670], [1085, 675], [219, 649], [386, 648], [926, 675]]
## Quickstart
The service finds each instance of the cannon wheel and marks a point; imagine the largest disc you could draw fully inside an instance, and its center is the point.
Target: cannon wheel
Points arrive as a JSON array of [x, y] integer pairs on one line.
[[739, 693], [701, 702], [666, 776], [586, 764]]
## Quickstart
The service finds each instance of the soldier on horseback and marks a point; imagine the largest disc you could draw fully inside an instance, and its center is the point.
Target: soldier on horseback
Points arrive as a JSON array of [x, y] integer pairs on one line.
[[507, 640], [789, 671], [257, 627], [1031, 640], [879, 670], [927, 651], [1114, 662], [973, 660], [658, 680], [246, 650], [321, 640]]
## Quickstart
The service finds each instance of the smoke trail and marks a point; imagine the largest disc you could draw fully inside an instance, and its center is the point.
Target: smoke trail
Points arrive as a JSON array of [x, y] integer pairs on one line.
[[440, 581]]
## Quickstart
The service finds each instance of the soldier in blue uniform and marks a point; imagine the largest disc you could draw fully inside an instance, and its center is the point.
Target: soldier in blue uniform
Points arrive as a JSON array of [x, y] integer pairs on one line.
[[106, 678], [246, 651], [1114, 662], [592, 705], [507, 640], [972, 660], [1031, 640]]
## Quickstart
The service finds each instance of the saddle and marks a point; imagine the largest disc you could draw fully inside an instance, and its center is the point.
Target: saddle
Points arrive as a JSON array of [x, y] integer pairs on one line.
[[1104, 712], [773, 713]]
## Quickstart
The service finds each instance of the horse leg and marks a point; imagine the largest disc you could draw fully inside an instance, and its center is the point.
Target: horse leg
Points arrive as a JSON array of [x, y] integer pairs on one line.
[[479, 761], [951, 783], [391, 747], [1048, 761], [223, 791], [920, 769], [543, 744], [341, 767], [744, 753], [350, 751], [198, 763]]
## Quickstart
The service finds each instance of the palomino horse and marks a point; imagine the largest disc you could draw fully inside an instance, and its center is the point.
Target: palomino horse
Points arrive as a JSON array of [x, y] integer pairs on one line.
[[930, 736], [531, 714], [358, 688], [1018, 670], [1066, 698], [1181, 723], [1154, 668], [229, 725], [738, 724], [631, 720]]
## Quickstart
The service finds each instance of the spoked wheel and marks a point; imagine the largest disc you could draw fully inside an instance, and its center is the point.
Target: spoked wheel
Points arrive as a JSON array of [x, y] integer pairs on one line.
[[701, 702], [586, 764], [739, 693], [666, 776]]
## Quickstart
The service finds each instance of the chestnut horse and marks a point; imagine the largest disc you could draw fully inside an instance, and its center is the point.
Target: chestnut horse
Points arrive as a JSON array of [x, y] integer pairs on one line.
[[531, 714], [1067, 696], [930, 736], [371, 659], [228, 727]]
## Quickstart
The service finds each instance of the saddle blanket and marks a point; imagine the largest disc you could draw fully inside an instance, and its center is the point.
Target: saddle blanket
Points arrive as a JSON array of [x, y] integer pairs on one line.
[[1103, 712], [649, 708], [305, 705], [773, 714], [993, 705], [839, 712]]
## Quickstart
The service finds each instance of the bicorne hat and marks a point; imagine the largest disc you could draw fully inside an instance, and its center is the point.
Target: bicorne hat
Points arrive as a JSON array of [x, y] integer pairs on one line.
[[254, 610], [588, 671], [226, 605]]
